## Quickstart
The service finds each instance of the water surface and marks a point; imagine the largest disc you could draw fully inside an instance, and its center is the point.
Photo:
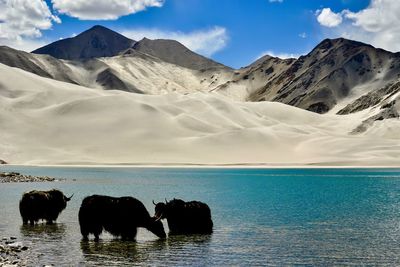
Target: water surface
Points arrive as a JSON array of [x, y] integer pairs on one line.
[[261, 216]]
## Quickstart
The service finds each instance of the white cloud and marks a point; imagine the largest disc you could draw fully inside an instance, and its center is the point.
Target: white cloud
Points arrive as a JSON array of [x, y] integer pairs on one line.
[[279, 55], [378, 24], [380, 15], [326, 17], [103, 9], [275, 1], [21, 22], [205, 42], [24, 18]]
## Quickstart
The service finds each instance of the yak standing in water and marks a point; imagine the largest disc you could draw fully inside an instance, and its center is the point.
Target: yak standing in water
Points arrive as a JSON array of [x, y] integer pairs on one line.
[[192, 217], [46, 205], [120, 216]]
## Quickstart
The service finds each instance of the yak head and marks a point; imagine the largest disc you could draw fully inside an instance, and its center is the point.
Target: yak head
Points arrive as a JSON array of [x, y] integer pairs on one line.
[[157, 228], [68, 198], [160, 210], [58, 198]]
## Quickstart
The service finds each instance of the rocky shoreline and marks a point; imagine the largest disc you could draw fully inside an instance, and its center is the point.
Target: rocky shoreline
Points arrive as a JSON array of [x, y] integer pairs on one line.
[[10, 252], [16, 177]]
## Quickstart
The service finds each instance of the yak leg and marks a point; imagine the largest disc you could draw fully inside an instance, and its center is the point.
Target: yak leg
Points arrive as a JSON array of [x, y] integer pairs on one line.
[[32, 222], [97, 231], [96, 237], [85, 229], [129, 234], [89, 226], [85, 234]]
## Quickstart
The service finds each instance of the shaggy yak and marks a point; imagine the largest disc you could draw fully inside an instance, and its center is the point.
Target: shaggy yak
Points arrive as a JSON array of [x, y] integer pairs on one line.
[[192, 217], [46, 205], [120, 216]]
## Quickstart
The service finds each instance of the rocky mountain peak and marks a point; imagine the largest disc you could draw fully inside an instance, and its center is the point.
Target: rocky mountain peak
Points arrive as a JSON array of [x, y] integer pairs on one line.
[[97, 41], [100, 41]]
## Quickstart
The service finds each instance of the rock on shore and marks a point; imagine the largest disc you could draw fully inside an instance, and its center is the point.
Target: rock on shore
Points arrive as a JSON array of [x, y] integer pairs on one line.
[[10, 252], [16, 177]]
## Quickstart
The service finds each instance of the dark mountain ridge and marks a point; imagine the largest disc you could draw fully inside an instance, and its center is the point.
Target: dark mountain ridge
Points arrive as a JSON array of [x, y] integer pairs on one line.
[[98, 41], [320, 79]]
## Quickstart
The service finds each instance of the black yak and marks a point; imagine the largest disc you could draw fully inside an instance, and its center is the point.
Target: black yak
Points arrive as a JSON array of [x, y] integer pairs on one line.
[[191, 217], [45, 205], [120, 216]]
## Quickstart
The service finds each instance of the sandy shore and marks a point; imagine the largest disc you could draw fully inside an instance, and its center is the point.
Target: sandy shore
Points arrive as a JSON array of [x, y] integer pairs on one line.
[[210, 166], [16, 177]]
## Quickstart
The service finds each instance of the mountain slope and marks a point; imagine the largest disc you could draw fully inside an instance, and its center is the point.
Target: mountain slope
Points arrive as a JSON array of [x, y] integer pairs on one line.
[[248, 80], [380, 105], [96, 42], [174, 52], [42, 65], [335, 71], [132, 71]]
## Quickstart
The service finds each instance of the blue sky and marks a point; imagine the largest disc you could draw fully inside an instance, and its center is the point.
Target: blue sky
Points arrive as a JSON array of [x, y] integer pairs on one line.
[[233, 32]]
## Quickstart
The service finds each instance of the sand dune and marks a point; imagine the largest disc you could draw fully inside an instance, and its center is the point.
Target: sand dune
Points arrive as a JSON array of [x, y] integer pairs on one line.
[[50, 122]]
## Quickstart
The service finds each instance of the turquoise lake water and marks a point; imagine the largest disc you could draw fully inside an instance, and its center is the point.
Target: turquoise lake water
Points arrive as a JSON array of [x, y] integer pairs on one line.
[[261, 216]]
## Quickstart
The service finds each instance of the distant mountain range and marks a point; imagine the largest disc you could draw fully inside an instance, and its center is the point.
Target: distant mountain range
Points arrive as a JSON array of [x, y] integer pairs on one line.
[[338, 76], [99, 41]]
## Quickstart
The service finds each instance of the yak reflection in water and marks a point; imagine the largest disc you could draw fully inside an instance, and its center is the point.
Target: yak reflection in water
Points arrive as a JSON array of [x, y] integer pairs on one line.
[[53, 231], [117, 252]]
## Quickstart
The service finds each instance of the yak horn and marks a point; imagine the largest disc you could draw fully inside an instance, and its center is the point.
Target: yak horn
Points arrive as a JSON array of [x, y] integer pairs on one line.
[[69, 198], [156, 219], [166, 202], [154, 202]]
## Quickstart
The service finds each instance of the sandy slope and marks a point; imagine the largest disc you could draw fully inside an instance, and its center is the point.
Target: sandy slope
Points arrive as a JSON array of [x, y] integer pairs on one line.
[[154, 76], [142, 72], [49, 122], [132, 71]]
